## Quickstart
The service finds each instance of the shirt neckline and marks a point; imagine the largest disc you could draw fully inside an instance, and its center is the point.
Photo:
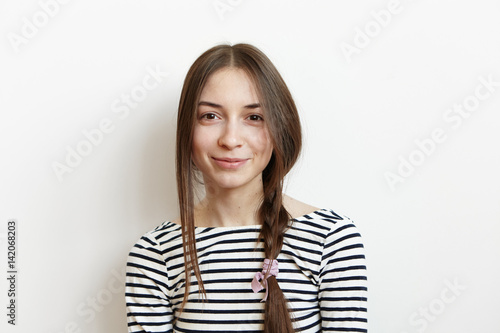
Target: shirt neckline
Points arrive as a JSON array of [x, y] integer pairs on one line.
[[251, 226]]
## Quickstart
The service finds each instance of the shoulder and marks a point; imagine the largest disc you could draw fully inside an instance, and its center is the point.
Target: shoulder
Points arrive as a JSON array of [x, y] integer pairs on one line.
[[153, 250], [297, 208], [325, 224], [311, 218], [154, 239]]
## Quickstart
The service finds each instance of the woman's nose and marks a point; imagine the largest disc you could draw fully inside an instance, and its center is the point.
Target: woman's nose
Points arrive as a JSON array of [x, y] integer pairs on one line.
[[231, 136]]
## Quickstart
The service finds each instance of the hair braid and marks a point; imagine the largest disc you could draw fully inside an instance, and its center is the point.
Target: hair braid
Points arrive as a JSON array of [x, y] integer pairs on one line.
[[275, 223]]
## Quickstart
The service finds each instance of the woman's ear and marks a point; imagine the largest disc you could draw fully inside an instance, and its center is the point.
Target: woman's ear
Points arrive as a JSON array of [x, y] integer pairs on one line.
[[195, 168], [198, 176]]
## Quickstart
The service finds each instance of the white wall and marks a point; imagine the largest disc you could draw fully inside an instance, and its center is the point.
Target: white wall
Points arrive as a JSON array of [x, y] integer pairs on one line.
[[432, 237]]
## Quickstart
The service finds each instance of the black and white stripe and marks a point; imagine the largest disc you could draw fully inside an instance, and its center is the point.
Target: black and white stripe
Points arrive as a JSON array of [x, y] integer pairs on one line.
[[321, 271]]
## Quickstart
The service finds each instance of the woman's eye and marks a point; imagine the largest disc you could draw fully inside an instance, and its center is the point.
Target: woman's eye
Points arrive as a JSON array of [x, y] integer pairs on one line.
[[209, 116], [255, 117]]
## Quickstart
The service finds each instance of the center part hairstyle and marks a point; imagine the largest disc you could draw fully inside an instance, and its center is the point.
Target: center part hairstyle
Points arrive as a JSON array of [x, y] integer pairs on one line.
[[283, 123]]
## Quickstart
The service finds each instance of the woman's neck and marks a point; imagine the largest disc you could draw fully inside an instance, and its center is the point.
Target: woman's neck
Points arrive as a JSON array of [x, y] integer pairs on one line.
[[225, 208]]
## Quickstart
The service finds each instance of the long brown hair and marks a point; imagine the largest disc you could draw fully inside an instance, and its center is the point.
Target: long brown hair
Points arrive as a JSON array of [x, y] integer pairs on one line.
[[283, 124]]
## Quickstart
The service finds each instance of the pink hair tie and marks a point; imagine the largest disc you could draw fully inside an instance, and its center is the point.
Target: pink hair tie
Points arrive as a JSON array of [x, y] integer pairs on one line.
[[260, 279]]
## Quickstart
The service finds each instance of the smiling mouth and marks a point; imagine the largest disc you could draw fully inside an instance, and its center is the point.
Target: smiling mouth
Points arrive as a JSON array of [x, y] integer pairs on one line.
[[230, 163]]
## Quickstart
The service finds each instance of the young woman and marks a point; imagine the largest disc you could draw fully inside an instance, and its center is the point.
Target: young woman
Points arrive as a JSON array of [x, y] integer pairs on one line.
[[256, 260]]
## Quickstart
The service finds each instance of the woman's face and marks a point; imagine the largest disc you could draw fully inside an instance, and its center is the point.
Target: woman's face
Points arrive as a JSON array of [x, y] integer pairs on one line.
[[231, 144]]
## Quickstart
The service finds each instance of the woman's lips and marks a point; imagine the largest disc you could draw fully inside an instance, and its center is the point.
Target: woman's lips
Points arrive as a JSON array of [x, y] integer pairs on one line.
[[230, 163]]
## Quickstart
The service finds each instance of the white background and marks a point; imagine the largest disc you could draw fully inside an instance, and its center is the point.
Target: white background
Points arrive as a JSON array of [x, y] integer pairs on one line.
[[432, 238]]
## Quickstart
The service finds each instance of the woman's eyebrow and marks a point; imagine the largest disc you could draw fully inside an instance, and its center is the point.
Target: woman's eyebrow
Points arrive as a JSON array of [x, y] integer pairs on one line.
[[218, 106], [252, 106], [214, 105]]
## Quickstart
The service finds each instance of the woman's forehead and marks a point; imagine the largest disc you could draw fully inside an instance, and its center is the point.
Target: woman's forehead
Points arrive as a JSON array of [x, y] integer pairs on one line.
[[230, 86]]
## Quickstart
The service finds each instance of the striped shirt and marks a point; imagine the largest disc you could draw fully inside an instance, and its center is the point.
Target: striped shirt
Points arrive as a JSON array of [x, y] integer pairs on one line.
[[322, 274]]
